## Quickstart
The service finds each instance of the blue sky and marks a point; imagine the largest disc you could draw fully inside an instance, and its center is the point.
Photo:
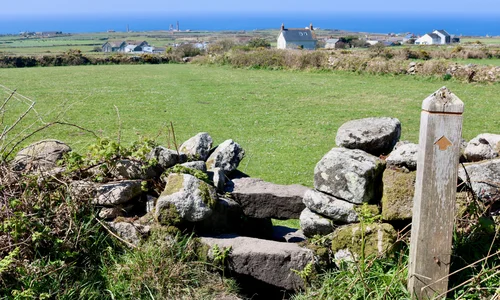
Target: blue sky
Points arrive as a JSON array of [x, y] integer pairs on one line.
[[51, 7]]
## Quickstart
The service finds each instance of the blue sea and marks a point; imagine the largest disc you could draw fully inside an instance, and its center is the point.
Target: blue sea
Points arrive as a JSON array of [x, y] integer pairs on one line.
[[466, 25]]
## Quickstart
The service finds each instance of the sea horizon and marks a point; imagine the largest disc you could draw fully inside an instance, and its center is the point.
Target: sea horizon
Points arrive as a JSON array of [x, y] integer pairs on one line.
[[456, 24]]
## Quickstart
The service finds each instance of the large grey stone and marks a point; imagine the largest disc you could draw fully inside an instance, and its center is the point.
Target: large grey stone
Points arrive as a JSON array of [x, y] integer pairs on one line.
[[226, 156], [132, 169], [196, 165], [193, 199], [484, 178], [115, 193], [261, 199], [313, 224], [82, 190], [404, 156], [268, 261], [42, 155], [335, 209], [351, 175], [198, 147], [218, 177], [132, 233], [374, 135], [165, 157], [484, 146], [226, 218]]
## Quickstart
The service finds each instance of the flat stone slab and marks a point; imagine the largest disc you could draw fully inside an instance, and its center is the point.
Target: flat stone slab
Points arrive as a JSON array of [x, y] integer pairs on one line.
[[267, 261], [261, 199]]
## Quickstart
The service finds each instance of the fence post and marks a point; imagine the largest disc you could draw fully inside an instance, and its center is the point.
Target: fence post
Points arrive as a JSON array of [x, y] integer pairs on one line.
[[435, 194]]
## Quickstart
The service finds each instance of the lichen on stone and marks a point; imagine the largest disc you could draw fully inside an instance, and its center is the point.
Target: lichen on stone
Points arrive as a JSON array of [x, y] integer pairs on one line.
[[175, 183]]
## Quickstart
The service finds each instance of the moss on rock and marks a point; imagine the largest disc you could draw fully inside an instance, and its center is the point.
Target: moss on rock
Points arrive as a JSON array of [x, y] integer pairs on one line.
[[397, 200], [378, 238], [168, 215], [179, 169], [207, 195]]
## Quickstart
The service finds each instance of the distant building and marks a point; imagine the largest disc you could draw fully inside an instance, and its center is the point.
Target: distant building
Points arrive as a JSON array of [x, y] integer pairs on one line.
[[114, 46], [297, 38], [409, 37], [437, 37], [124, 46], [49, 33], [372, 42], [133, 48], [334, 44]]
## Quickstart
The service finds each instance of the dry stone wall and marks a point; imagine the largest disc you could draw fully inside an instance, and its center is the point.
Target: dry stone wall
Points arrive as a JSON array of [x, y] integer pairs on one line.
[[358, 191]]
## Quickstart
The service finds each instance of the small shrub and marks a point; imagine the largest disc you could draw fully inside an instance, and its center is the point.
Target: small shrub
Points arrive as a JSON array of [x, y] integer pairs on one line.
[[259, 43]]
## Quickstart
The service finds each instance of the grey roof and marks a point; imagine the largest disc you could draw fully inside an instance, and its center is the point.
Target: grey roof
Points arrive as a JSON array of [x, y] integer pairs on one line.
[[443, 32], [115, 44], [293, 35], [434, 36]]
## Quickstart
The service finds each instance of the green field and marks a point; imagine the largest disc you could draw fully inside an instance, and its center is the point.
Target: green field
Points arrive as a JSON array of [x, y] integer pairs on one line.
[[285, 120], [484, 40], [490, 61]]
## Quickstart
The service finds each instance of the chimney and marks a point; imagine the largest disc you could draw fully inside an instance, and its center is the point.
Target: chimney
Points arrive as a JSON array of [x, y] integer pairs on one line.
[[282, 26], [311, 26]]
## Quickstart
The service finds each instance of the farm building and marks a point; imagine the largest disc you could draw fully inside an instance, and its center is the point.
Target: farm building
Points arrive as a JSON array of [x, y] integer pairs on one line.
[[334, 44], [114, 46], [437, 37], [297, 38], [124, 46]]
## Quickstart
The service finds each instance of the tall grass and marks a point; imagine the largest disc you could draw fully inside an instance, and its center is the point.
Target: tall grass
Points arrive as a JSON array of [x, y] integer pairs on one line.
[[166, 267]]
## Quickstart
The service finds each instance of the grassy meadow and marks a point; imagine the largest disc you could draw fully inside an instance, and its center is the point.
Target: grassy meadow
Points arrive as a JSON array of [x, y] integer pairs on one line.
[[285, 120]]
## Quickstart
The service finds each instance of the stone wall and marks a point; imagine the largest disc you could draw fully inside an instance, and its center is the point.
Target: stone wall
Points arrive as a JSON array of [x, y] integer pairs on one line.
[[363, 188]]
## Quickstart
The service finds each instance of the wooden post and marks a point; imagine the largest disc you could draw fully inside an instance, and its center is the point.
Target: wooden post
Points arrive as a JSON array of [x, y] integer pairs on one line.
[[435, 194]]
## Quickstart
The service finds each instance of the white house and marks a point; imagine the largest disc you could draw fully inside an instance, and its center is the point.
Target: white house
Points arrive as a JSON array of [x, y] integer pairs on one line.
[[297, 38], [443, 35], [437, 37]]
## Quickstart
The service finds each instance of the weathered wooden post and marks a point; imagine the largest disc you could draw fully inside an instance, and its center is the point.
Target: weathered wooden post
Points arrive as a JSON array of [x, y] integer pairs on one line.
[[435, 194]]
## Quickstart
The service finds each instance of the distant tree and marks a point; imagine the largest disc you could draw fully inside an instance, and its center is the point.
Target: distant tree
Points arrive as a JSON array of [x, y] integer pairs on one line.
[[410, 41], [222, 46], [259, 43], [187, 50], [359, 43]]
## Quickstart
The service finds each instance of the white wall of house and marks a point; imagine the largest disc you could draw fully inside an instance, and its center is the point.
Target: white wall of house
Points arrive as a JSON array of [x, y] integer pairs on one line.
[[147, 49], [427, 40], [281, 41]]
